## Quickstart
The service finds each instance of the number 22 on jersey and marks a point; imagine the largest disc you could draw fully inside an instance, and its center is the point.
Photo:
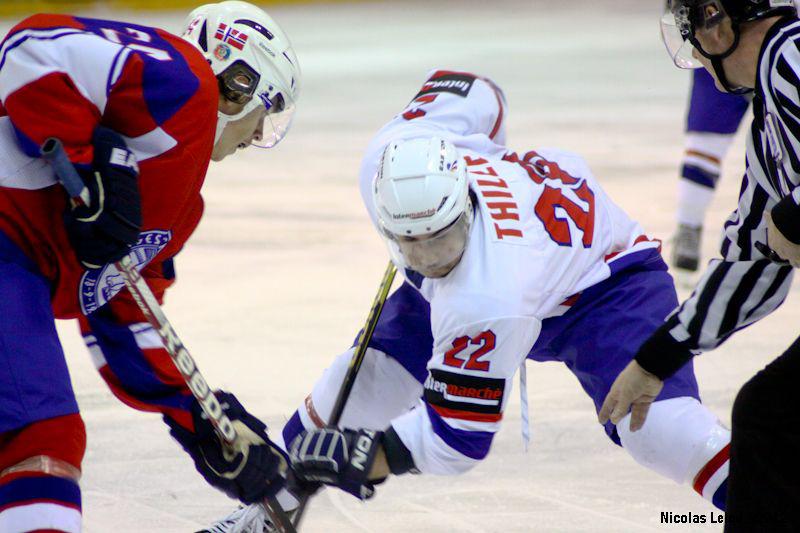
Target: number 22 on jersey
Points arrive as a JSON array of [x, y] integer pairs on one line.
[[485, 343]]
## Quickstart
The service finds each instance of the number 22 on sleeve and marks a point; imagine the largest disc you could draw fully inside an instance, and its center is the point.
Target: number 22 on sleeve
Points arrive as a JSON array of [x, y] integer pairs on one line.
[[484, 341]]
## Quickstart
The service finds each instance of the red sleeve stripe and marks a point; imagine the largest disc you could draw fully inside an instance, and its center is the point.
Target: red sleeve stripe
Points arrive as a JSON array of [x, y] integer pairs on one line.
[[312, 413], [711, 468], [499, 122], [467, 415], [642, 242]]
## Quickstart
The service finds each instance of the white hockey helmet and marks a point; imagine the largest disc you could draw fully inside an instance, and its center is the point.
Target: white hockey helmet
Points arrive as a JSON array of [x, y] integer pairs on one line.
[[422, 199], [253, 61]]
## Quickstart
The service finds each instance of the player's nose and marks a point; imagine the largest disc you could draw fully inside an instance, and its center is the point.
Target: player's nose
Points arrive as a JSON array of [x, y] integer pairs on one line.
[[258, 133]]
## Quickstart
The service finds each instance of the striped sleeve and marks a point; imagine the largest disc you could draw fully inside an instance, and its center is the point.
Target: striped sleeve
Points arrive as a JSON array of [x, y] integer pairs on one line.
[[736, 290], [130, 357], [785, 84], [61, 68], [743, 286]]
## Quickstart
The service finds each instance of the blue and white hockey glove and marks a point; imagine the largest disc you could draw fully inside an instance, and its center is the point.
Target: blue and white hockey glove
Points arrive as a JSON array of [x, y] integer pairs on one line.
[[339, 458], [258, 470], [104, 231]]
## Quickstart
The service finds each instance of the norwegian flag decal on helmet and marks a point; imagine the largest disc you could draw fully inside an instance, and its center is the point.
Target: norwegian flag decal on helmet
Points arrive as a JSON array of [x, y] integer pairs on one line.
[[231, 36]]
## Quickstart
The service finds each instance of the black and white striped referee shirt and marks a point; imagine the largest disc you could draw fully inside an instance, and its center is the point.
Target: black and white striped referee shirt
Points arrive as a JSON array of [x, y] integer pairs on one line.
[[744, 286]]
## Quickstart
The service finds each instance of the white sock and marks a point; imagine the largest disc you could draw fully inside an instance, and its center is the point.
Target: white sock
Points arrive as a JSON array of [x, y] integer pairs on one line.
[[693, 202]]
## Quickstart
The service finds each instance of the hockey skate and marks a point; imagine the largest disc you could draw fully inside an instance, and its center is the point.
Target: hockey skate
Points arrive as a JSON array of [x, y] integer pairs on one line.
[[250, 519], [686, 247]]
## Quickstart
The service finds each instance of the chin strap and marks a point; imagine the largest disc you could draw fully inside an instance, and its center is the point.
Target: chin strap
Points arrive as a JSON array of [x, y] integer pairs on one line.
[[719, 70], [716, 62]]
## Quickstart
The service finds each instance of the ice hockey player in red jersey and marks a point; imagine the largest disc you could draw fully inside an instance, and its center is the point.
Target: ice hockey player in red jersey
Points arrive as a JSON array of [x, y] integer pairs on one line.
[[140, 112]]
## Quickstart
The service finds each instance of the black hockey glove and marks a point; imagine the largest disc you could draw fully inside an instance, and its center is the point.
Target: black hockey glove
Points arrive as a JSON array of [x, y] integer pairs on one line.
[[104, 230], [256, 471], [339, 458]]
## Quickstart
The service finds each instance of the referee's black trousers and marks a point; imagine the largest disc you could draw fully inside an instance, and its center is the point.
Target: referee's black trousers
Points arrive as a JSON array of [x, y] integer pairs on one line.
[[764, 480]]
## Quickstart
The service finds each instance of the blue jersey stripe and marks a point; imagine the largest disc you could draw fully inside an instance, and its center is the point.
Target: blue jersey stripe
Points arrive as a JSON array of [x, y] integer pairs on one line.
[[39, 488], [472, 444], [721, 495], [167, 83], [127, 362], [404, 331], [699, 176]]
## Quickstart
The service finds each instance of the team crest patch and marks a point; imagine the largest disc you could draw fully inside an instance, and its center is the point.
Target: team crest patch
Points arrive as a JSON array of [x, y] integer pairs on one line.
[[222, 52], [97, 287]]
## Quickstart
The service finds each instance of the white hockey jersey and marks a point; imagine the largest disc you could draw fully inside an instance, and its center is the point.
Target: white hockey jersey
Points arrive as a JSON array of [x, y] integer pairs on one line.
[[544, 231]]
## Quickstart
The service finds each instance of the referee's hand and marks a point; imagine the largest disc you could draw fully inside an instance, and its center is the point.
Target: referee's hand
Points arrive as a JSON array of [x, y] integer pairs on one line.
[[634, 390]]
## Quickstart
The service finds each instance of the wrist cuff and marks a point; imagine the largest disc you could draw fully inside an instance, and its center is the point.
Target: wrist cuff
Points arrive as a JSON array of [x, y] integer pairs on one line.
[[786, 216], [662, 355], [397, 455]]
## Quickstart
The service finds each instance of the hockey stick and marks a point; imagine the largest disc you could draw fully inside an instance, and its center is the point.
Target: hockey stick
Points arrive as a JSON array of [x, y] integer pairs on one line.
[[53, 152], [355, 366]]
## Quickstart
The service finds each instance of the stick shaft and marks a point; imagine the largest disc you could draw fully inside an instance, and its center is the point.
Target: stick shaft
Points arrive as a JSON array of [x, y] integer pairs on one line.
[[186, 365], [355, 365], [53, 152], [184, 362], [362, 345]]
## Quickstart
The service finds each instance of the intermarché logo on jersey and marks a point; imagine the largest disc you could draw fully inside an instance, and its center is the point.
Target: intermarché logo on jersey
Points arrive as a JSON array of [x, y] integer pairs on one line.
[[458, 84], [457, 391]]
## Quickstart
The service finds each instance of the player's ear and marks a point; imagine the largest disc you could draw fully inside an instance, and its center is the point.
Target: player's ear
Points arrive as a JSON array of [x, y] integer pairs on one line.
[[723, 34], [228, 107]]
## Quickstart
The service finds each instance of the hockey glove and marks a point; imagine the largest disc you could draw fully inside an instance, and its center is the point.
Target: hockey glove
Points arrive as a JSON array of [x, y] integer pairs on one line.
[[339, 458], [104, 230], [256, 470]]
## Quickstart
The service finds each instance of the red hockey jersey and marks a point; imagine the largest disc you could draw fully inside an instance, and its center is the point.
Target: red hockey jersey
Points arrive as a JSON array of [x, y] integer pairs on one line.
[[61, 76]]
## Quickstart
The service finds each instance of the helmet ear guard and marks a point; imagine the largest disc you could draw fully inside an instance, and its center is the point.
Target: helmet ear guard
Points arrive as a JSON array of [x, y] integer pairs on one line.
[[238, 82]]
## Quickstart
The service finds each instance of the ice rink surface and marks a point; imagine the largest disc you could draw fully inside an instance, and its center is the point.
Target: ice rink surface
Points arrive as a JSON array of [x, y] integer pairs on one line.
[[280, 275]]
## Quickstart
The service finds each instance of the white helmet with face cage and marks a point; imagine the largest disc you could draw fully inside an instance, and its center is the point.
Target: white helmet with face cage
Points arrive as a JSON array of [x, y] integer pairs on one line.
[[421, 195], [253, 61]]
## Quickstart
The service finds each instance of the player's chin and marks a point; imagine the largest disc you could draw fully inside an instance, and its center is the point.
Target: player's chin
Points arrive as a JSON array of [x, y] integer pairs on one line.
[[218, 155], [220, 152], [437, 271]]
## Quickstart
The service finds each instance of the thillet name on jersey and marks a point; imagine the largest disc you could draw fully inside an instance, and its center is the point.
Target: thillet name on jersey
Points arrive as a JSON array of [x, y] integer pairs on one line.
[[499, 199]]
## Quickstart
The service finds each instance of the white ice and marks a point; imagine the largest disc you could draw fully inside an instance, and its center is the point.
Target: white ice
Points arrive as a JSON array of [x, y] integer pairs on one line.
[[280, 275]]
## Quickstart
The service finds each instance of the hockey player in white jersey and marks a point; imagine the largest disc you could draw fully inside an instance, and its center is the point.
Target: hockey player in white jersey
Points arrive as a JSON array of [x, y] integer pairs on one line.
[[506, 257]]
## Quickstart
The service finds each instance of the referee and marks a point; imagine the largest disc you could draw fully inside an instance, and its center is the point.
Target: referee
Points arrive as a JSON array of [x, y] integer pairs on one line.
[[748, 46]]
